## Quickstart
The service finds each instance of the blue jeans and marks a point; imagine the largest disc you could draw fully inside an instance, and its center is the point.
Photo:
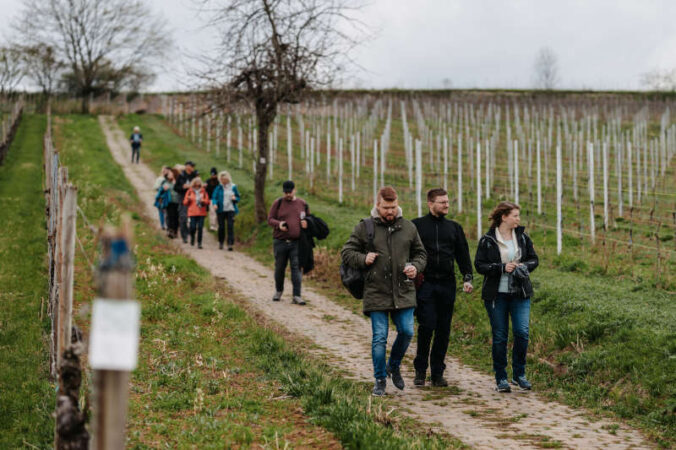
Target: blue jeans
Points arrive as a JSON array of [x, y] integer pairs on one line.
[[403, 320], [161, 214], [499, 311]]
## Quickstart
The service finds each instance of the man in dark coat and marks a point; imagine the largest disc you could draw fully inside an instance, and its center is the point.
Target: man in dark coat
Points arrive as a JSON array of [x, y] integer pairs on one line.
[[444, 241], [391, 265]]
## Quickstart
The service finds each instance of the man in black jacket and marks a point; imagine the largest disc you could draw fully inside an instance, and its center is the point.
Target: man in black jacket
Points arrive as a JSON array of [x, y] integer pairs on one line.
[[444, 241], [182, 185]]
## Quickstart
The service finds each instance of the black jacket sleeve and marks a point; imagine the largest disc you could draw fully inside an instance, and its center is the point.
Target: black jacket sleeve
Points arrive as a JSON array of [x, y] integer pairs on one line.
[[530, 258], [482, 261], [461, 252]]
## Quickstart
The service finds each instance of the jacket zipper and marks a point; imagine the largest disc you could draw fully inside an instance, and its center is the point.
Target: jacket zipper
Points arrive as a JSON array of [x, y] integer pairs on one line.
[[436, 225]]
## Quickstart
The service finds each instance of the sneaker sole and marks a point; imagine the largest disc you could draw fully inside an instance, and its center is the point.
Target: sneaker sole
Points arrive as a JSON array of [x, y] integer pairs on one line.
[[506, 391]]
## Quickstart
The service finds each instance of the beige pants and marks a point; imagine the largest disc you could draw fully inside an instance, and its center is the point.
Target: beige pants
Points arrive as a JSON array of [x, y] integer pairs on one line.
[[213, 222]]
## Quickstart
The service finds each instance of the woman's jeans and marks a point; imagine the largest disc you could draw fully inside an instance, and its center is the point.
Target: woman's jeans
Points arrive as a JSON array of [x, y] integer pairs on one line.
[[229, 217], [196, 225], [499, 312], [403, 320], [161, 213]]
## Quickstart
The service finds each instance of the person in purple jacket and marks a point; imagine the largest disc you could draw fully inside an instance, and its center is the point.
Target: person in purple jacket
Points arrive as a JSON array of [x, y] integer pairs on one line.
[[287, 218]]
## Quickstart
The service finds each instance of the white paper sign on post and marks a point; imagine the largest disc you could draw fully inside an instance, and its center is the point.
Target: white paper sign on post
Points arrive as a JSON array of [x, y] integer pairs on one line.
[[113, 341]]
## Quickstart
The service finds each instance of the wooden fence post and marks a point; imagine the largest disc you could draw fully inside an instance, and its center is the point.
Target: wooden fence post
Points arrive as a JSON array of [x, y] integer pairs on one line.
[[111, 387], [68, 223]]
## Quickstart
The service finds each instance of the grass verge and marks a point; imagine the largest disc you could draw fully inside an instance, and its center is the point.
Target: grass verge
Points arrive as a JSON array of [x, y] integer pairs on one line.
[[27, 397]]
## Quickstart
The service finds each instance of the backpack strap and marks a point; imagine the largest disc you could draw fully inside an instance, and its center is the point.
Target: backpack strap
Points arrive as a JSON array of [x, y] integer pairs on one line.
[[370, 231], [277, 205]]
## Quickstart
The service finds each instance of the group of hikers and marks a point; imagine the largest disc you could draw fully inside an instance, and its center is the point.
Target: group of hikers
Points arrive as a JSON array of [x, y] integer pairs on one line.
[[408, 267], [183, 201]]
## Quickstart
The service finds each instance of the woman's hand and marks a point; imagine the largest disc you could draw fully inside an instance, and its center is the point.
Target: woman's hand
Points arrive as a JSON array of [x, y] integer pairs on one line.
[[510, 266]]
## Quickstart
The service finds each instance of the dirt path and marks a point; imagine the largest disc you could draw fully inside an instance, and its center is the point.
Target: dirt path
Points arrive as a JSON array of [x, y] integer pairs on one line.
[[470, 410]]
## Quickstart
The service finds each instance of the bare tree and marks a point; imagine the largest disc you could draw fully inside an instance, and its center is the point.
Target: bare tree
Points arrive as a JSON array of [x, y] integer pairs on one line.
[[100, 40], [658, 80], [11, 69], [272, 52], [42, 67], [546, 69]]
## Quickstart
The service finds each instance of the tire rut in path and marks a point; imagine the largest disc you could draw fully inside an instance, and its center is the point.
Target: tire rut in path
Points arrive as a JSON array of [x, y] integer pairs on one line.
[[470, 410]]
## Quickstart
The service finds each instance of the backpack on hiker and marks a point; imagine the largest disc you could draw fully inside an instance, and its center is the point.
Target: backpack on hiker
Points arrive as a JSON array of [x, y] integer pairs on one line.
[[353, 279]]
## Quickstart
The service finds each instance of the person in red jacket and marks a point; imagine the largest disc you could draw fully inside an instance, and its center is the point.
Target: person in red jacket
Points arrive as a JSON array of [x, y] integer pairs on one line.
[[196, 199]]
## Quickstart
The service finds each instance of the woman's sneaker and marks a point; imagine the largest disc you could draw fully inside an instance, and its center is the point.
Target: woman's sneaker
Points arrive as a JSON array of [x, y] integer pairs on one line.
[[522, 382], [379, 387], [503, 386]]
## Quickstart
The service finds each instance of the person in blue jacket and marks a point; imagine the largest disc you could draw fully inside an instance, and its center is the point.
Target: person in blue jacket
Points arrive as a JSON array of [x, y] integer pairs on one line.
[[225, 198]]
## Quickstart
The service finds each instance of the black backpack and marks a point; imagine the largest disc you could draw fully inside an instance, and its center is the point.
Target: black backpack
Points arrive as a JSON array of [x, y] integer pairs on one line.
[[353, 279]]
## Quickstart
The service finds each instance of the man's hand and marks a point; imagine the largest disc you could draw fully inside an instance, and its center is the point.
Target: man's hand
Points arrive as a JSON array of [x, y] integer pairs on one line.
[[509, 267], [303, 224], [370, 257], [467, 287], [166, 187], [186, 186], [282, 226], [410, 271]]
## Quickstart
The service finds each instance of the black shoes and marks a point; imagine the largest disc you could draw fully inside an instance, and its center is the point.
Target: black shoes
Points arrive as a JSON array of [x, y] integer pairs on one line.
[[277, 296], [419, 379], [379, 387], [439, 381], [230, 248], [397, 380], [220, 246]]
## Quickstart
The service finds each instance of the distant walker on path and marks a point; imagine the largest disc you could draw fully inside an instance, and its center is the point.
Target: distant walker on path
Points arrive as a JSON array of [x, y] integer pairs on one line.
[[136, 139], [287, 218]]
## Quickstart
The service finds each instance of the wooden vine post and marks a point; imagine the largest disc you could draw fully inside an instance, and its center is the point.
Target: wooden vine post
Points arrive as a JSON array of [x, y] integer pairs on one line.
[[114, 338]]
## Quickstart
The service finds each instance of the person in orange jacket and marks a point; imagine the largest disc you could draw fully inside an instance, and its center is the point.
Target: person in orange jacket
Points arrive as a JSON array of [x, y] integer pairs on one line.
[[196, 199]]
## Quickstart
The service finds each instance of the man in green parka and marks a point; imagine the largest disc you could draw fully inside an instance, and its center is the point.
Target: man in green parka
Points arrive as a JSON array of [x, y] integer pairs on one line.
[[396, 258]]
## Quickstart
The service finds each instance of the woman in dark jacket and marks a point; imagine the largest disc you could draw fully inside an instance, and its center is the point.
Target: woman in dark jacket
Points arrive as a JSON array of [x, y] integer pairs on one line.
[[505, 257]]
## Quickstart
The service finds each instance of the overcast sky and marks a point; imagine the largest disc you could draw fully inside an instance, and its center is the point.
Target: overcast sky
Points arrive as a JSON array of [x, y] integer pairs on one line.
[[600, 44]]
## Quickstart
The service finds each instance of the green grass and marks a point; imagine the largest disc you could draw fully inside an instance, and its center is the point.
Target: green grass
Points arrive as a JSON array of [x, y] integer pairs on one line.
[[27, 398], [600, 340], [210, 375]]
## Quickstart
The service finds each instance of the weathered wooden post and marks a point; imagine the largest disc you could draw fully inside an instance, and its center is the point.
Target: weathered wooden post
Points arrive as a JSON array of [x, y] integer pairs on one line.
[[114, 338]]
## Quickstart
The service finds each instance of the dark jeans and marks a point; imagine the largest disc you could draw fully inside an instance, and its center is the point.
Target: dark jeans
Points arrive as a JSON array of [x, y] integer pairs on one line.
[[135, 153], [172, 217], [162, 214], [222, 217], [196, 225], [183, 220], [499, 312], [403, 320], [436, 299], [286, 251]]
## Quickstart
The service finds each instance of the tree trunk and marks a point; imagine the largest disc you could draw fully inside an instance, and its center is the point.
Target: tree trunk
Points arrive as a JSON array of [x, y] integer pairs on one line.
[[265, 117]]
